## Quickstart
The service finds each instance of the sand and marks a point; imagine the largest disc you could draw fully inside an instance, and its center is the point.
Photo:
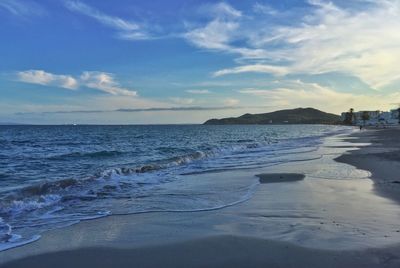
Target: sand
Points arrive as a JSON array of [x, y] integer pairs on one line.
[[217, 251], [381, 158], [304, 220]]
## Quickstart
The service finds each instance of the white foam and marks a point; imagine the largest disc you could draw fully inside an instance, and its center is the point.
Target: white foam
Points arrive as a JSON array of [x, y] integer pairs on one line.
[[141, 188], [14, 242]]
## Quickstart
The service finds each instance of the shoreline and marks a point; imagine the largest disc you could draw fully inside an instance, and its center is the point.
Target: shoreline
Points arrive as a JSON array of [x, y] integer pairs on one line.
[[222, 238], [381, 158]]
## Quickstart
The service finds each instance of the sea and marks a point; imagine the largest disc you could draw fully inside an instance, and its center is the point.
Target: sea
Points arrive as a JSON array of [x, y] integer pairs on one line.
[[56, 176]]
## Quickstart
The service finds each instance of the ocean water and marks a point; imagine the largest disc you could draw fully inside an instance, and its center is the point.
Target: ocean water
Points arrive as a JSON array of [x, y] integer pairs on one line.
[[55, 176]]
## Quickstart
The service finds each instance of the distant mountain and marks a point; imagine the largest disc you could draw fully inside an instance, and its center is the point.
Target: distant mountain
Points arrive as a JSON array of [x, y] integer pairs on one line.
[[292, 116]]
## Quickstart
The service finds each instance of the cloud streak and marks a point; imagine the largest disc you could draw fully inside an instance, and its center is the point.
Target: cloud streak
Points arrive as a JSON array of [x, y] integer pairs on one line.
[[222, 10], [198, 91], [126, 29], [219, 33], [264, 9], [133, 110], [47, 79], [183, 101], [95, 80], [104, 82], [231, 102], [255, 68], [216, 35], [22, 9]]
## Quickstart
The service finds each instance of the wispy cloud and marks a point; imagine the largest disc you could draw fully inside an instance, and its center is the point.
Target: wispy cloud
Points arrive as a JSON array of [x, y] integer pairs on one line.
[[113, 22], [95, 80], [221, 10], [222, 32], [104, 82], [183, 101], [22, 8], [219, 33], [126, 29], [264, 9], [230, 102], [215, 35], [255, 68], [48, 79], [198, 91], [291, 94], [134, 110], [362, 41], [331, 39]]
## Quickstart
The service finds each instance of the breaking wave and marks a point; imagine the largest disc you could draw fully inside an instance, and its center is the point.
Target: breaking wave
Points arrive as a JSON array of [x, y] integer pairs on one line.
[[94, 182]]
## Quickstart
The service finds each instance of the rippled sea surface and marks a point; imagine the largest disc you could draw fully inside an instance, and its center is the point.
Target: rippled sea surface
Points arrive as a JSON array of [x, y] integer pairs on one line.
[[54, 176]]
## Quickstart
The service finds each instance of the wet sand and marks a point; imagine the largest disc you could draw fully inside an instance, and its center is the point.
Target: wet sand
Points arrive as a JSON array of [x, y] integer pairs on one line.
[[330, 218], [381, 158], [280, 177], [217, 251]]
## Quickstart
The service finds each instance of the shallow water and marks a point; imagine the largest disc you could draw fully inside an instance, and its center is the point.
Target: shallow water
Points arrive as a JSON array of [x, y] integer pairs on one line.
[[334, 207], [55, 176]]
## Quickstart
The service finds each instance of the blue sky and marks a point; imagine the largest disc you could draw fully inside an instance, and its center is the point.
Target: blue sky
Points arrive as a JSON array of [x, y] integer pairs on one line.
[[69, 61]]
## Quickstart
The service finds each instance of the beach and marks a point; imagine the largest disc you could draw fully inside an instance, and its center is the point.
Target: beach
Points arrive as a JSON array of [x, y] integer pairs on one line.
[[338, 208], [381, 158]]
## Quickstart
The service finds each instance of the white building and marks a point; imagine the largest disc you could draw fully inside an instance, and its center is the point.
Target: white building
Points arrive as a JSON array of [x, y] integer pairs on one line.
[[394, 114], [374, 117]]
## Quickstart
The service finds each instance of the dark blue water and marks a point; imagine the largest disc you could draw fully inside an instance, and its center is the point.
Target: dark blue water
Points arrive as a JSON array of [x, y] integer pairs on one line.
[[54, 176]]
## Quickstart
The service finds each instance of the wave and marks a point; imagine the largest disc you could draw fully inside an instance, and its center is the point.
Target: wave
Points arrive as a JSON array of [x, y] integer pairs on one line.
[[97, 154], [51, 203], [64, 187], [54, 187], [14, 241], [19, 206]]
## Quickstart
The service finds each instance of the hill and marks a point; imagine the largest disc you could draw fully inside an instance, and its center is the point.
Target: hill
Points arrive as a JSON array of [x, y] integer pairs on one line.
[[291, 116]]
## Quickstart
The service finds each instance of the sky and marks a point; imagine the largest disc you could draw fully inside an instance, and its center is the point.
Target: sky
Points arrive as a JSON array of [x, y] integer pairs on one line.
[[186, 61]]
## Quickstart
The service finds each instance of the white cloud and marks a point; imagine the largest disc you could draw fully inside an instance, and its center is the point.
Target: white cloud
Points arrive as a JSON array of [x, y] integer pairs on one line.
[[95, 80], [126, 29], [255, 68], [183, 101], [215, 35], [107, 20], [219, 33], [365, 43], [44, 78], [104, 82], [198, 91], [223, 9], [291, 94], [133, 35], [230, 102], [362, 41]]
